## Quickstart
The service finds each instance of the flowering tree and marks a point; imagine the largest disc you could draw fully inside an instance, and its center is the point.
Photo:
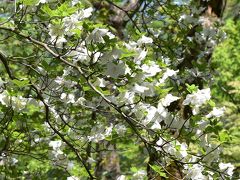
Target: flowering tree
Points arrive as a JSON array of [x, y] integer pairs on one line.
[[110, 90]]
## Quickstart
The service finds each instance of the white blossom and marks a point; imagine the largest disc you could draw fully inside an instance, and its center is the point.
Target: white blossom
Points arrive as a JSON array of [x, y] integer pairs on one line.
[[121, 177], [115, 70], [55, 144], [216, 112], [131, 45], [70, 165], [55, 30], [120, 129], [42, 1], [100, 82], [141, 54], [58, 41], [182, 152], [139, 175], [198, 98], [68, 98], [80, 54], [227, 168], [127, 97], [98, 34], [73, 178], [56, 147], [74, 2], [156, 125], [150, 70], [151, 115], [91, 160], [139, 89], [169, 98], [85, 13], [70, 23], [108, 130], [5, 98], [168, 73], [195, 172], [144, 40]]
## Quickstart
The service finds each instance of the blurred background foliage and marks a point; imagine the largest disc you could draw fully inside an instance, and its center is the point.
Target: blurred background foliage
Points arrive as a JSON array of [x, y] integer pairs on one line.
[[226, 86]]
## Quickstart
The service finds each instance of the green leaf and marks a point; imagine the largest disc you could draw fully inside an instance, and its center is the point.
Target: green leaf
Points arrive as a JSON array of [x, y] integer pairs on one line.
[[125, 54], [192, 88], [223, 136], [156, 24], [21, 83], [29, 2], [62, 11], [211, 103], [158, 170]]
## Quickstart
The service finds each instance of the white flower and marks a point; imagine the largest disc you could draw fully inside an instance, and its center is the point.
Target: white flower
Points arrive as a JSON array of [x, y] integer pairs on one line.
[[100, 82], [72, 178], [74, 2], [14, 161], [152, 113], [85, 13], [141, 54], [151, 89], [150, 70], [81, 101], [19, 102], [227, 168], [99, 132], [115, 70], [70, 23], [169, 98], [108, 130], [68, 98], [42, 1], [139, 89], [212, 150], [80, 54], [182, 151], [162, 111], [127, 96], [55, 30], [91, 160], [144, 40], [5, 98], [70, 165], [96, 137], [122, 177], [168, 73], [120, 129], [216, 112], [140, 109], [195, 172], [198, 98], [55, 144], [58, 41], [159, 143], [156, 125], [139, 175], [98, 34], [56, 147], [131, 45]]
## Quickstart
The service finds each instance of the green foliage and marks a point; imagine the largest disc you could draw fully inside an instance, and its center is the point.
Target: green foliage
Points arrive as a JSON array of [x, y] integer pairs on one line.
[[226, 88], [159, 170]]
